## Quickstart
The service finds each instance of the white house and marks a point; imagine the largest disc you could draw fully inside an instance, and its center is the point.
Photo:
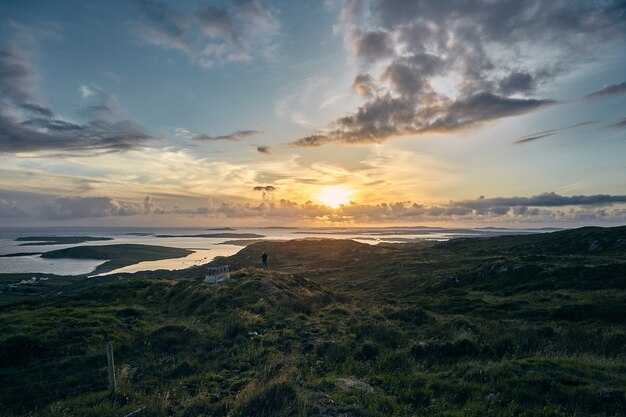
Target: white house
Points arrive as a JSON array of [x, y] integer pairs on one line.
[[217, 274]]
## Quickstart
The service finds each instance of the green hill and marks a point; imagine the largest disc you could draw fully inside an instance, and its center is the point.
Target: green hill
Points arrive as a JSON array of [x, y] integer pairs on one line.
[[507, 326]]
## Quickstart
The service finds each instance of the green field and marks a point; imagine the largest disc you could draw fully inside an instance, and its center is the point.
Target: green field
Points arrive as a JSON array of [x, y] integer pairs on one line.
[[508, 326]]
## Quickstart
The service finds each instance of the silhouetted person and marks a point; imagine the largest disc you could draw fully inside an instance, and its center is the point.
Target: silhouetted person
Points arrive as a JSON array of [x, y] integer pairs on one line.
[[264, 259]]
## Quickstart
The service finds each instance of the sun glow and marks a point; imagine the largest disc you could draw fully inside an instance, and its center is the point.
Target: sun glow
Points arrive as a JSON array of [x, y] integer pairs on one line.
[[335, 196]]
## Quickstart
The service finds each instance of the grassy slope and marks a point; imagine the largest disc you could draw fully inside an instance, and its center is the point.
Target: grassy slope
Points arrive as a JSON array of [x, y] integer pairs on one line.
[[509, 326], [119, 255]]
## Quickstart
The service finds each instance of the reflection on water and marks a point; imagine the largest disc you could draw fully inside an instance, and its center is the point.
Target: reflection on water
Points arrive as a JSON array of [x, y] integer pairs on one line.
[[205, 249], [34, 263], [199, 257]]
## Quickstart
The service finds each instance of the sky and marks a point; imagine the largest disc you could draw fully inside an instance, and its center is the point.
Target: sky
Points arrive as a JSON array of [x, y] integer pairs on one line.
[[477, 113]]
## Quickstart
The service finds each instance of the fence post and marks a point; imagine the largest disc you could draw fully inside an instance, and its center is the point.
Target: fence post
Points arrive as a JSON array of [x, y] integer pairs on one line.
[[111, 367]]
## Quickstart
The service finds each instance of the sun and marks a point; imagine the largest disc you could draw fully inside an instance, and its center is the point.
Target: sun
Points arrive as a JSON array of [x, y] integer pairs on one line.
[[335, 196]]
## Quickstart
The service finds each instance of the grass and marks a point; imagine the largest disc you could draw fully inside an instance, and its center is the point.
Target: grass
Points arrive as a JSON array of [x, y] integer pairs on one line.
[[507, 326]]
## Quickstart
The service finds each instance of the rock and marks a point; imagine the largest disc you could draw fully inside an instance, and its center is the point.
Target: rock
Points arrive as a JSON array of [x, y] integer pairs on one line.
[[353, 383]]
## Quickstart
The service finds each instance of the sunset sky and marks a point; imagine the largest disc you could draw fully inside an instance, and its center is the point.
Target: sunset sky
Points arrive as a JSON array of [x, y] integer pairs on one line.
[[324, 113]]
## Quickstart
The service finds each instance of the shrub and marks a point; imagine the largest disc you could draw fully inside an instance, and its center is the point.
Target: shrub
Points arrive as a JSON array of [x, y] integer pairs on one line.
[[172, 338], [235, 326], [367, 352]]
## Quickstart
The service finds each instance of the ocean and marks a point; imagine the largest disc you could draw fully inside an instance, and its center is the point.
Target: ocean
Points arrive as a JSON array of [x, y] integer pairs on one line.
[[205, 248]]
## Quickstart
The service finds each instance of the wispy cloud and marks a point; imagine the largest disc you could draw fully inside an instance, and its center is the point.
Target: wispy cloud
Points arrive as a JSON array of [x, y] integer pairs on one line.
[[27, 125], [416, 45], [234, 136], [608, 90], [546, 133], [210, 35], [619, 124]]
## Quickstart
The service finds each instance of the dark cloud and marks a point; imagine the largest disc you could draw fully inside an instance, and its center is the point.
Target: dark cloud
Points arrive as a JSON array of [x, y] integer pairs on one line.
[[387, 116], [609, 90], [268, 188], [27, 126], [447, 65], [371, 46], [364, 84], [517, 82], [542, 200], [546, 133], [17, 80], [9, 208], [264, 149], [58, 135], [484, 107], [532, 138]]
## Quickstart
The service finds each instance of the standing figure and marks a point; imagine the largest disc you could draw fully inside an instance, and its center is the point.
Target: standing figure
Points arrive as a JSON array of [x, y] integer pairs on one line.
[[264, 259]]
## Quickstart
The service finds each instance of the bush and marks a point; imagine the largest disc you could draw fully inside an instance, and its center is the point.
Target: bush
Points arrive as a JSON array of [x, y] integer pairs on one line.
[[172, 338], [279, 399], [21, 349], [235, 326], [367, 352]]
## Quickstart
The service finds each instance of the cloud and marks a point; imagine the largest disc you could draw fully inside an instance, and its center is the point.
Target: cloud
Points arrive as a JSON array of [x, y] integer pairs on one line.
[[163, 26], [80, 207], [17, 80], [547, 207], [546, 133], [517, 82], [371, 46], [59, 135], [609, 90], [619, 124], [264, 149], [448, 65], [387, 116], [268, 188], [9, 208], [210, 35], [101, 103], [542, 208], [28, 126], [234, 136]]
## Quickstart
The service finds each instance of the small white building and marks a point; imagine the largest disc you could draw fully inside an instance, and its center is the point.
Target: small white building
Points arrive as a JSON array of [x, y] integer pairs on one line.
[[215, 274]]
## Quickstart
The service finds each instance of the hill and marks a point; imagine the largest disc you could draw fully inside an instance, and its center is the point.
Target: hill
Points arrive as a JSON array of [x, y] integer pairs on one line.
[[507, 326]]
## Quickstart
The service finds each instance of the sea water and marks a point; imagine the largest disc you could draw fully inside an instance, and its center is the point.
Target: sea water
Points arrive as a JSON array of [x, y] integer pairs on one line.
[[205, 249]]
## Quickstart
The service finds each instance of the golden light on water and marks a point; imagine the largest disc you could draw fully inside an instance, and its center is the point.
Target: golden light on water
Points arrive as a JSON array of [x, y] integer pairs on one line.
[[335, 196]]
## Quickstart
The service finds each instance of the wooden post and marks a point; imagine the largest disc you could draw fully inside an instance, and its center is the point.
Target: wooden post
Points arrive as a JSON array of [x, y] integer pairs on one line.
[[111, 363]]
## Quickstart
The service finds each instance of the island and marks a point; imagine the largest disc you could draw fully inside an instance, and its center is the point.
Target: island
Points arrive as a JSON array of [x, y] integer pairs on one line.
[[58, 240], [118, 256], [219, 235]]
